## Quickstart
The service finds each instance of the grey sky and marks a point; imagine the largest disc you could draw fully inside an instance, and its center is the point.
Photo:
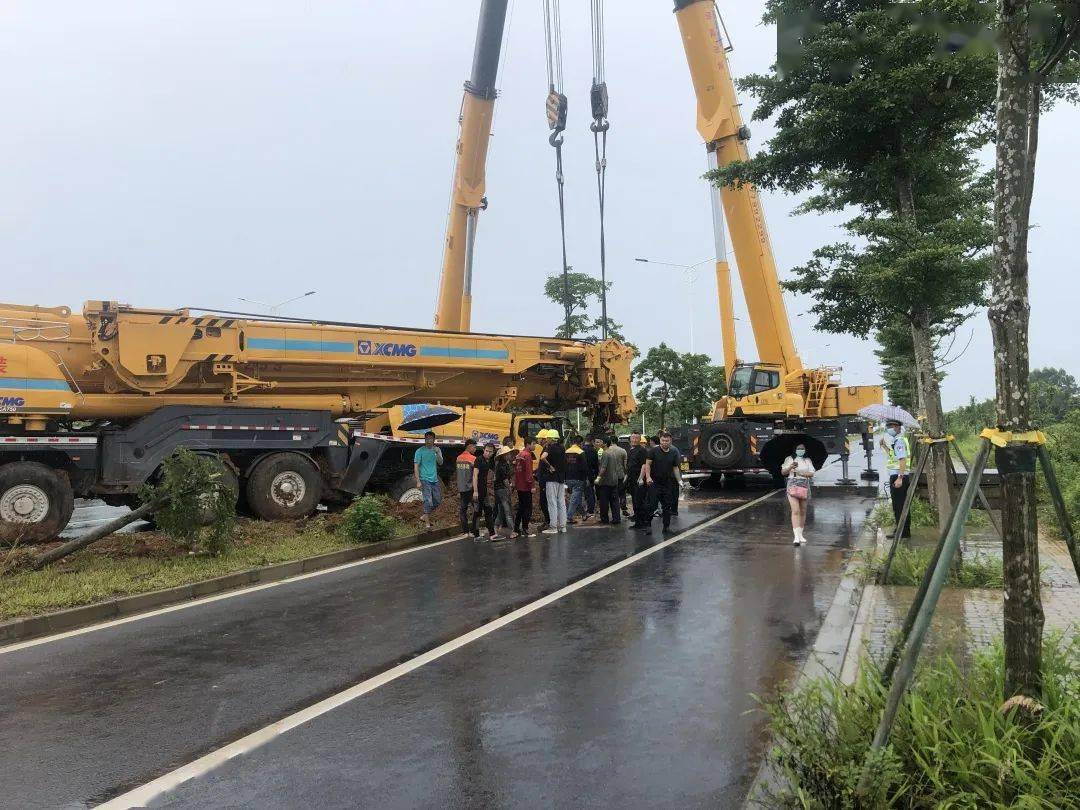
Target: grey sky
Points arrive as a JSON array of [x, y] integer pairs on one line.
[[188, 153]]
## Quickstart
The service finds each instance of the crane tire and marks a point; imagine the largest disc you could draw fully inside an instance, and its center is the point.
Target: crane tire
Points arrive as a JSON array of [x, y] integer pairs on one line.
[[230, 483], [405, 490], [36, 502], [722, 445], [283, 486]]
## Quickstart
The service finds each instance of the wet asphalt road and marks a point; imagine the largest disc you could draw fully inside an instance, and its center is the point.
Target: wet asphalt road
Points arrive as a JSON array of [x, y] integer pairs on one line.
[[633, 690]]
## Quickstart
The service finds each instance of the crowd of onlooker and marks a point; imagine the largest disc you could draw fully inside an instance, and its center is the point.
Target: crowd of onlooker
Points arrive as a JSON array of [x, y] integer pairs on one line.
[[575, 482]]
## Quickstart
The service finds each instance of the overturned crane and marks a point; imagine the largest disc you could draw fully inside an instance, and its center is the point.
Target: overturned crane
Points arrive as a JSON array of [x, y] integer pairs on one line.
[[92, 403]]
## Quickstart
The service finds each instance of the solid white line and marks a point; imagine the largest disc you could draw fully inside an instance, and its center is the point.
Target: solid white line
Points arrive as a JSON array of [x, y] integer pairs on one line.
[[137, 617], [141, 796]]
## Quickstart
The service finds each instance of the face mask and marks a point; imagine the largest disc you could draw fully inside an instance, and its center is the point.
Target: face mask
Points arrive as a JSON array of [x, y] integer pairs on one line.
[[800, 452], [891, 432]]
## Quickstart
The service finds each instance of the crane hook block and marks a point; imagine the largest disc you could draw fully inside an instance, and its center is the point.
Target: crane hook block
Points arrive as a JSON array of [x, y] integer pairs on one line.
[[599, 98], [556, 111]]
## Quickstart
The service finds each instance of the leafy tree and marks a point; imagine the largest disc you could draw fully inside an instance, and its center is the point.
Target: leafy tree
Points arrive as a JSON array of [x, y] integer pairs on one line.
[[585, 291], [1054, 393], [679, 385], [896, 354], [1038, 59], [659, 378], [873, 114]]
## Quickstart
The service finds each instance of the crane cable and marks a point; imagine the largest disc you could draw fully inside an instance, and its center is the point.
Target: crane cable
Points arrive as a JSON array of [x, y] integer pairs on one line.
[[598, 95], [556, 107]]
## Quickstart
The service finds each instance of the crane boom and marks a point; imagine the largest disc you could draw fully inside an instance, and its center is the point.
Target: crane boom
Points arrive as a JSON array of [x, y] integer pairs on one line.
[[117, 362], [453, 311], [721, 126]]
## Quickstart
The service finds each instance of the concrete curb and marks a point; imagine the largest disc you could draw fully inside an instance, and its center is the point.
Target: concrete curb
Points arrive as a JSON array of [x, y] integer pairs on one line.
[[837, 643], [63, 620]]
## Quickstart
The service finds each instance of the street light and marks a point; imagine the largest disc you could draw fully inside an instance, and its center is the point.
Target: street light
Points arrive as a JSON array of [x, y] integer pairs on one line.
[[691, 270], [275, 307]]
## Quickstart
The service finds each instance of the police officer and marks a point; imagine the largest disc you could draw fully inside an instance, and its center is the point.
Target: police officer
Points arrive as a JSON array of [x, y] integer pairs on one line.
[[897, 452]]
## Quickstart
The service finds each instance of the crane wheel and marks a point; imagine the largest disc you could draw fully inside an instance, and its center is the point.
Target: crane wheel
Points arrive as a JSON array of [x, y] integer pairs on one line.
[[230, 483], [722, 445], [36, 502], [283, 486], [405, 490]]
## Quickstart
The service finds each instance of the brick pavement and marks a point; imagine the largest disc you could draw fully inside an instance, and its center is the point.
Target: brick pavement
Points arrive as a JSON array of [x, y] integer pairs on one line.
[[969, 619]]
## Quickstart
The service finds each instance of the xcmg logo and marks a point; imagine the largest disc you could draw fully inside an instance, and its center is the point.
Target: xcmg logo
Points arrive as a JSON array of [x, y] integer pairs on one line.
[[370, 347], [12, 402]]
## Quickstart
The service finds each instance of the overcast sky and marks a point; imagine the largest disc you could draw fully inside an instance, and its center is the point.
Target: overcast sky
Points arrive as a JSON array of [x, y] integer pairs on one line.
[[189, 153]]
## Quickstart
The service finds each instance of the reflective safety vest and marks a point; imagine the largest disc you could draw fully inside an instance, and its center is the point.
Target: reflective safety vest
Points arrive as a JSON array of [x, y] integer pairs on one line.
[[892, 462]]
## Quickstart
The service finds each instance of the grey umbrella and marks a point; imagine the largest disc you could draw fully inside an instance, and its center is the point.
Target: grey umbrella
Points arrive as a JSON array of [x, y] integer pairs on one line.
[[889, 413]]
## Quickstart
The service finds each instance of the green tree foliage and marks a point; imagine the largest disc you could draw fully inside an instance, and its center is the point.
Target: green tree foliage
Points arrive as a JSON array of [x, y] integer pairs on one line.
[[896, 354], [195, 502], [682, 386], [1054, 393], [585, 293], [366, 521], [874, 115]]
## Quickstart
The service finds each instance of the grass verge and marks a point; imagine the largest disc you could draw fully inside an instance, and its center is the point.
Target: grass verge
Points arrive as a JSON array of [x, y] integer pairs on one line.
[[951, 746], [148, 561], [909, 566]]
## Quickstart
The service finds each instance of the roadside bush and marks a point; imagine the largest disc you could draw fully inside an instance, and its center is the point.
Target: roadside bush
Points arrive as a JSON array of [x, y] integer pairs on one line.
[[194, 503], [909, 565], [366, 521], [1063, 442], [951, 746]]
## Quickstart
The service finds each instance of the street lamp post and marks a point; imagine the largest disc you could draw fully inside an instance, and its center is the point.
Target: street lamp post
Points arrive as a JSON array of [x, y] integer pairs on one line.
[[275, 308], [691, 274]]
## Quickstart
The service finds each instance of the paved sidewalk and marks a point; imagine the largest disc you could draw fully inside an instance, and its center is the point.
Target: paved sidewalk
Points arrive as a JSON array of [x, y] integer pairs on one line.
[[968, 619]]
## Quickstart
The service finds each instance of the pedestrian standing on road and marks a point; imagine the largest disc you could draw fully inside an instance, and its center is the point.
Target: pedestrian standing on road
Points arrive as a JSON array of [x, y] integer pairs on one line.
[[635, 467], [897, 454], [799, 471], [426, 463], [554, 461], [576, 473], [592, 469], [504, 486], [663, 477], [523, 484], [484, 492], [463, 477], [542, 477], [609, 477]]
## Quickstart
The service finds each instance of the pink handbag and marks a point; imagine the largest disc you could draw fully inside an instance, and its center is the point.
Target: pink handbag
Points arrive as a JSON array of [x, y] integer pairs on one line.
[[799, 487]]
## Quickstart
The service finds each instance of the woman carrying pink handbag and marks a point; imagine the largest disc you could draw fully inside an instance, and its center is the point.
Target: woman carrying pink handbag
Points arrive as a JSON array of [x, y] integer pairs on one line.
[[799, 470]]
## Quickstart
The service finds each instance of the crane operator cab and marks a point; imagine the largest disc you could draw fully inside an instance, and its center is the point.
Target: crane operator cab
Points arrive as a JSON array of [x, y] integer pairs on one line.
[[754, 389]]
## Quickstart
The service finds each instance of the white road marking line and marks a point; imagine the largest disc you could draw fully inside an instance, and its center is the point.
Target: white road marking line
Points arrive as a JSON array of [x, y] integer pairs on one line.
[[136, 617], [141, 796]]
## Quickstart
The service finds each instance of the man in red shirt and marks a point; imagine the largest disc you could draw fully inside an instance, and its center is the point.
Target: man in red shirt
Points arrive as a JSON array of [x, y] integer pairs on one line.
[[523, 483]]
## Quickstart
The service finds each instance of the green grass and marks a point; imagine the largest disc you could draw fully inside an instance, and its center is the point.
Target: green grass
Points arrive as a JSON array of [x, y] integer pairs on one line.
[[922, 515], [92, 576], [909, 565], [951, 746]]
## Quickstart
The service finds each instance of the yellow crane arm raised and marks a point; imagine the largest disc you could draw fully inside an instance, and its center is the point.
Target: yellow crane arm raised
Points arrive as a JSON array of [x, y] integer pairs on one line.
[[720, 124]]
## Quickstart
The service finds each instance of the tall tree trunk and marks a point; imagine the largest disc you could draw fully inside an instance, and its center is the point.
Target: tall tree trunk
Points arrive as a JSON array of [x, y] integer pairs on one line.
[[1017, 124], [937, 471]]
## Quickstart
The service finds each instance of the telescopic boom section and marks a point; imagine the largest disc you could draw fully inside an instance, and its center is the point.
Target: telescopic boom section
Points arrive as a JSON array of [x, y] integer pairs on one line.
[[118, 362], [720, 124], [454, 308]]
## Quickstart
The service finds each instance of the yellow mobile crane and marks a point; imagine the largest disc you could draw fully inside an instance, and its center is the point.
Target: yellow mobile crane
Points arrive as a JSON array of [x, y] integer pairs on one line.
[[453, 312], [91, 403], [775, 402]]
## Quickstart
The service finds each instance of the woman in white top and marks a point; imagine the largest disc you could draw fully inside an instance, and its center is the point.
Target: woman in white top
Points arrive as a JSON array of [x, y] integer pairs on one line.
[[798, 466]]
